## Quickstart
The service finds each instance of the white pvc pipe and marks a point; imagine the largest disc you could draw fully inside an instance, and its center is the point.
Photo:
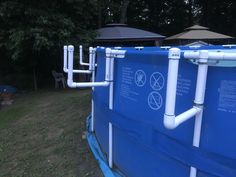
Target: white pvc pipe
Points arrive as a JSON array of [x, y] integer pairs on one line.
[[87, 84], [186, 115], [199, 99], [191, 54], [65, 59], [90, 58], [110, 54], [110, 153], [170, 120], [171, 85], [73, 84], [222, 56], [196, 138], [201, 77], [109, 77], [211, 55], [111, 88], [78, 71], [169, 116], [92, 102], [65, 67], [81, 57]]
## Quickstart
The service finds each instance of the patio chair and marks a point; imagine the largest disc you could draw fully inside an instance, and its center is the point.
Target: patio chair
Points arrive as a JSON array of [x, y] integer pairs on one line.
[[58, 77]]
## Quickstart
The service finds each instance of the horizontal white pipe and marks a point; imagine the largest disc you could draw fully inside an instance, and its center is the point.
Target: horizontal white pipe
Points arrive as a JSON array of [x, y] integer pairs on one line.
[[191, 54], [211, 55], [78, 71], [87, 84], [229, 45]]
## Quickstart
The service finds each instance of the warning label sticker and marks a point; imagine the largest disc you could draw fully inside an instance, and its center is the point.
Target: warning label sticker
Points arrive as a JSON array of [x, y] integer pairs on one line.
[[227, 96]]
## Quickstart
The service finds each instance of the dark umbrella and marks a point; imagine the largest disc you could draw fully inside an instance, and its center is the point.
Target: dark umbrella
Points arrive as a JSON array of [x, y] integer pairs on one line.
[[197, 32], [121, 32]]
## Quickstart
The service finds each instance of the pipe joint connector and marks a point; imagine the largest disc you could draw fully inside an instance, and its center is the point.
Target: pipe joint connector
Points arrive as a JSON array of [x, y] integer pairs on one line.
[[71, 48], [198, 105], [169, 121], [174, 54], [90, 50], [108, 53], [203, 57]]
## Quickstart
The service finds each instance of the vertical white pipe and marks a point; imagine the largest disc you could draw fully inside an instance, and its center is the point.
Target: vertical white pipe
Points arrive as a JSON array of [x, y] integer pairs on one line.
[[108, 64], [171, 87], [111, 88], [70, 64], [109, 77], [90, 58], [65, 58], [199, 99], [201, 78], [110, 160], [111, 95], [196, 138], [169, 117], [81, 62], [81, 55], [92, 102], [174, 56]]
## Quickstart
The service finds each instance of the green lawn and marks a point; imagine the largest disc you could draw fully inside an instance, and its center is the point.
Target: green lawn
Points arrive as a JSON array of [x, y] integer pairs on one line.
[[41, 135]]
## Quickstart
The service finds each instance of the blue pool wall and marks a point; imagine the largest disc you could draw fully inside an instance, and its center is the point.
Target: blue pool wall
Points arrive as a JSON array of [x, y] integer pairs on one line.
[[142, 146]]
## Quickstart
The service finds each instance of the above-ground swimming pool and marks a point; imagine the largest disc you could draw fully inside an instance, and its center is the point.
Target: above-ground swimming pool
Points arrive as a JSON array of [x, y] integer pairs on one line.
[[126, 130]]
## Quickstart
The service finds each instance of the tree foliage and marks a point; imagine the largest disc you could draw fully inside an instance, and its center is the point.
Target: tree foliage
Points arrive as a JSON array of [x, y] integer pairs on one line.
[[32, 32]]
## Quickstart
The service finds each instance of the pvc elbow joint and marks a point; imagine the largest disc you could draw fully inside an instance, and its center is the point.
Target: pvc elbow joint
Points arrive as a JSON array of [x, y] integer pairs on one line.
[[65, 70], [71, 84], [169, 121]]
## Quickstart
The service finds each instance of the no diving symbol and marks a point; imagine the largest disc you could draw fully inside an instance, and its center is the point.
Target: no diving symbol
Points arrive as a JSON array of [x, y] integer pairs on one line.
[[140, 78], [157, 81], [154, 100]]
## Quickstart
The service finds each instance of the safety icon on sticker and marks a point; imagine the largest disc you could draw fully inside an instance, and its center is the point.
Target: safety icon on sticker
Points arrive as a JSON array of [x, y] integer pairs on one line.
[[155, 100], [140, 78], [157, 81]]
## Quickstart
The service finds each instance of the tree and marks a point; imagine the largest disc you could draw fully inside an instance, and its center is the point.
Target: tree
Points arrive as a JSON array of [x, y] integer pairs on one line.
[[34, 32], [218, 15]]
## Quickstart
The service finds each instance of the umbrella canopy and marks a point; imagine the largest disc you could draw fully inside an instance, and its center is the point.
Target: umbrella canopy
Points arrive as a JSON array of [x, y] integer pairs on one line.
[[197, 32], [121, 32]]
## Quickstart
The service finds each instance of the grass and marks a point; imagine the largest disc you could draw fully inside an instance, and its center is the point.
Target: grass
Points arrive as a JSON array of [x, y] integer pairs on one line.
[[41, 136]]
